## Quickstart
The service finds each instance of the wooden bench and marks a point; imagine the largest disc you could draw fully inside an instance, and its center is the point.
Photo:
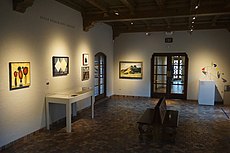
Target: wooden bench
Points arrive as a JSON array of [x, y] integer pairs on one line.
[[164, 122]]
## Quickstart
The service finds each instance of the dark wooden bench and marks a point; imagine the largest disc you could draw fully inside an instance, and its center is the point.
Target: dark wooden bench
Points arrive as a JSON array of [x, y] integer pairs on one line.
[[164, 122]]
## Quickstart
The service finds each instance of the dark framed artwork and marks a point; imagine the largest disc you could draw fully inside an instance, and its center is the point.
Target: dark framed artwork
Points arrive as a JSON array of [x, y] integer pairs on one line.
[[85, 73], [60, 65], [19, 75], [85, 59], [130, 70]]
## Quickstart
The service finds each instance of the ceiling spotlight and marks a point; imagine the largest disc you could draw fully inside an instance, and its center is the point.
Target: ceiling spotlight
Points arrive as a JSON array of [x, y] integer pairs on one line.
[[194, 18], [191, 30], [193, 22], [131, 23], [196, 7], [116, 13], [147, 34]]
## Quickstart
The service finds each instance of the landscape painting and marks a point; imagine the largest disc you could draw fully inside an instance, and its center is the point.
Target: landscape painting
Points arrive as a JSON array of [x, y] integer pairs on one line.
[[19, 75], [130, 70]]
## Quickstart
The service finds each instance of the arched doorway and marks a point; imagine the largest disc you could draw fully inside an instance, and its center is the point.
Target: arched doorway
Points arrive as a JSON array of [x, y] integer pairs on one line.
[[100, 76]]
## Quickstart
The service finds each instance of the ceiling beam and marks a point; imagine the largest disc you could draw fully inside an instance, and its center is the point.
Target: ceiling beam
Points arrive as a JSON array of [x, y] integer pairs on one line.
[[128, 5], [173, 28], [72, 4], [148, 15], [160, 3], [97, 5], [214, 20], [22, 5]]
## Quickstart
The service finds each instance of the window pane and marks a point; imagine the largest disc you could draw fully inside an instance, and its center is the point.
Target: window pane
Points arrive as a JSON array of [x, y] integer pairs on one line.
[[160, 60], [178, 89], [160, 69], [160, 88], [160, 78], [101, 89], [96, 91]]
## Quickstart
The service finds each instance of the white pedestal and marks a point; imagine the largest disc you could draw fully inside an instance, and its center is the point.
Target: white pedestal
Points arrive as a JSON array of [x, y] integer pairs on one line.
[[206, 92]]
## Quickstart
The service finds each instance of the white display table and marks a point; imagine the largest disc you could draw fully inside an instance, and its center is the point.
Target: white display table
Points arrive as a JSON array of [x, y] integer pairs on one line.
[[206, 92], [67, 98]]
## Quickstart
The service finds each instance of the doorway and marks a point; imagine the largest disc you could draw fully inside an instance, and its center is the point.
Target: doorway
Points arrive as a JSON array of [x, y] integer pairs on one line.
[[100, 76], [169, 75]]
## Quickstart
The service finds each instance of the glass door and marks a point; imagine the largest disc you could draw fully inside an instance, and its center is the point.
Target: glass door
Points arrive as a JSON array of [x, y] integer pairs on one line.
[[169, 75], [100, 76]]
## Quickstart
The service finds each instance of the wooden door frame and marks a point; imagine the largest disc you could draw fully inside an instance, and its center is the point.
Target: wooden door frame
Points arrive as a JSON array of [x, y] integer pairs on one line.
[[177, 96], [100, 96]]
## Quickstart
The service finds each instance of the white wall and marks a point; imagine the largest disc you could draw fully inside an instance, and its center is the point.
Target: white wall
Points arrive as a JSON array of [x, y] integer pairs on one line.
[[28, 37], [202, 47]]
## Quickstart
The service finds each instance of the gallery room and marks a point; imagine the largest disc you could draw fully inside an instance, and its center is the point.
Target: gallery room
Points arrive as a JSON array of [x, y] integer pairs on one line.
[[97, 76]]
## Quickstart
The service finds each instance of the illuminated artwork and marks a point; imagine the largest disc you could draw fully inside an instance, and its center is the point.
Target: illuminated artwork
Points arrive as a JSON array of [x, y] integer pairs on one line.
[[85, 73], [213, 72], [19, 75], [130, 70], [85, 59], [60, 66]]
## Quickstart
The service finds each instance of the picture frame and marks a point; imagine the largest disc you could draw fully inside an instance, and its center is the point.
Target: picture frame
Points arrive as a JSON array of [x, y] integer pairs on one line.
[[60, 65], [19, 75], [85, 59], [130, 70], [85, 73]]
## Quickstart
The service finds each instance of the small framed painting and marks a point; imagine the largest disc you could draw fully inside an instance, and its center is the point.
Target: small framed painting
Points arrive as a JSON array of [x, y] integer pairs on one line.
[[85, 73], [19, 75], [60, 65], [130, 70], [85, 59]]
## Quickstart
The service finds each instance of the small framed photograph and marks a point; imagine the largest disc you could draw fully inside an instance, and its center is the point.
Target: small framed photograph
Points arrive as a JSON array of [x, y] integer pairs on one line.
[[19, 75], [85, 73], [60, 65], [130, 70], [85, 59]]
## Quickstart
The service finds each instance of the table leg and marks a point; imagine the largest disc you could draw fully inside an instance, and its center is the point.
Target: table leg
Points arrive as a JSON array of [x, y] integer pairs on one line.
[[47, 116], [68, 117], [92, 105]]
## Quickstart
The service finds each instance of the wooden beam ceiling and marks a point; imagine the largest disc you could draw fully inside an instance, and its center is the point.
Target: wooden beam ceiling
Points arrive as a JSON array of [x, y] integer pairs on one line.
[[129, 6], [22, 5], [148, 15]]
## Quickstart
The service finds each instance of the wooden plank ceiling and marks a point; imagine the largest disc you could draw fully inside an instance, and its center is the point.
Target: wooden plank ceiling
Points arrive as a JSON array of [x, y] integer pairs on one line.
[[127, 16]]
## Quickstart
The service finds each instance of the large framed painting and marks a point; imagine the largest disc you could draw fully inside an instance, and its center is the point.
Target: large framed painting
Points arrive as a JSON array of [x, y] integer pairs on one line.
[[130, 70], [60, 65], [85, 73], [85, 59], [19, 75]]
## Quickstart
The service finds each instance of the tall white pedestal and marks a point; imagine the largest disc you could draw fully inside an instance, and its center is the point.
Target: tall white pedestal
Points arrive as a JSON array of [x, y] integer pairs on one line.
[[206, 92]]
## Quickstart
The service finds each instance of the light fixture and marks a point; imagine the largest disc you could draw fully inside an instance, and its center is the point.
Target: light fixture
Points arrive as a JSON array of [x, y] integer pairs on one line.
[[191, 30], [116, 13], [131, 23], [193, 22], [194, 18], [196, 7]]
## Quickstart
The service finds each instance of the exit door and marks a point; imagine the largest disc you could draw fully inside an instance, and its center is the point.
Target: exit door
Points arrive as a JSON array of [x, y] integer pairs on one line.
[[169, 73]]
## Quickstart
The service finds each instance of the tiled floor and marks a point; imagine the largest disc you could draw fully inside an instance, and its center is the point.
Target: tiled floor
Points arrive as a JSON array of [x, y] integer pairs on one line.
[[202, 129]]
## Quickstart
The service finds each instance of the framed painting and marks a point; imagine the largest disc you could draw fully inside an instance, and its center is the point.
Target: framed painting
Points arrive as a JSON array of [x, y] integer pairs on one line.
[[130, 70], [85, 73], [85, 59], [60, 65], [19, 75]]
